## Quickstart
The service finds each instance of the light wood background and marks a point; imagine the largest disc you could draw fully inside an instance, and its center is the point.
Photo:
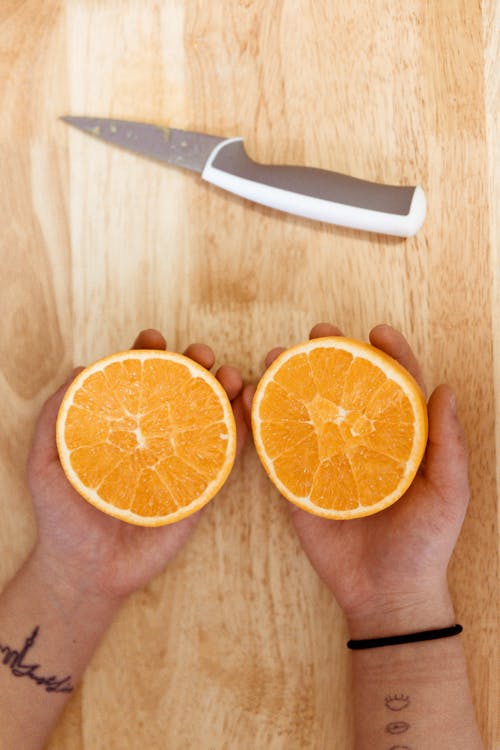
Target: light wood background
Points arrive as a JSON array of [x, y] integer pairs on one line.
[[238, 645]]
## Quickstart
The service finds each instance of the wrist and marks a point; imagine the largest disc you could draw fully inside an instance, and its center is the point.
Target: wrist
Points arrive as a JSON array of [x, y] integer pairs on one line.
[[428, 609], [69, 588]]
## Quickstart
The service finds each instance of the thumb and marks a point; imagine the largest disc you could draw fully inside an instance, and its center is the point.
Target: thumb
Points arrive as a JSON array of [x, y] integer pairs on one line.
[[247, 398], [446, 456], [242, 428], [44, 449]]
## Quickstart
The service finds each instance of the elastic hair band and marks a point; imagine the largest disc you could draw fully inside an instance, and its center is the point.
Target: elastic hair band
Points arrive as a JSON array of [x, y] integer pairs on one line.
[[394, 640]]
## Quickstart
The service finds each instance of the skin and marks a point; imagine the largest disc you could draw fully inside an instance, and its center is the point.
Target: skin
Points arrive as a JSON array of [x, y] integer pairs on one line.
[[387, 572], [400, 556], [82, 567], [84, 537]]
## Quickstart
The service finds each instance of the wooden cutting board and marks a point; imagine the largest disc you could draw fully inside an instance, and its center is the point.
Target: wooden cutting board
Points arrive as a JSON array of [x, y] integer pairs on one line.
[[238, 645]]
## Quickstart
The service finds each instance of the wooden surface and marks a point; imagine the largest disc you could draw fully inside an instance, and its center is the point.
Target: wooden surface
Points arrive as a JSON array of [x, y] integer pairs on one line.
[[238, 645]]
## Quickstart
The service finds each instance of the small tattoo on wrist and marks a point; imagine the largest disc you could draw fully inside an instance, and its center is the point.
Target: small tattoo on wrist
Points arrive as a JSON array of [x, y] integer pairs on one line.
[[397, 702], [397, 727], [19, 668]]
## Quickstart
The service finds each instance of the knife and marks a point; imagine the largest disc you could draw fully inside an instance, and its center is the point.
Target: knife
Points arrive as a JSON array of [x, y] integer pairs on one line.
[[305, 191]]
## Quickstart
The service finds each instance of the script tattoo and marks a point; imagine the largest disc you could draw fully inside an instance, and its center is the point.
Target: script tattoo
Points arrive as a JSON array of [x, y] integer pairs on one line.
[[15, 660]]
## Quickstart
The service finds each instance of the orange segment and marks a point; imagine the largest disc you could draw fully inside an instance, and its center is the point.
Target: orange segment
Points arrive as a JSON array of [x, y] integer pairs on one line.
[[340, 427], [151, 499], [283, 435], [376, 474], [181, 478], [346, 490], [84, 421], [298, 464], [118, 487], [146, 436], [97, 397], [204, 448], [329, 369], [295, 378], [362, 381], [93, 463], [283, 405], [124, 380], [161, 381]]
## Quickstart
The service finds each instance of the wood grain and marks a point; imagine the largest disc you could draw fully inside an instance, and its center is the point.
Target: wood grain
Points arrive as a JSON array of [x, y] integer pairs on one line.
[[238, 645]]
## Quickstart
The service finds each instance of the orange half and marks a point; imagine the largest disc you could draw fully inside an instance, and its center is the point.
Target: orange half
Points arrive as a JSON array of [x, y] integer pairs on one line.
[[340, 427], [146, 436]]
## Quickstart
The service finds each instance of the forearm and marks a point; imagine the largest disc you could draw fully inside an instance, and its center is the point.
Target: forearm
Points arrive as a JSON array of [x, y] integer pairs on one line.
[[49, 629], [413, 695]]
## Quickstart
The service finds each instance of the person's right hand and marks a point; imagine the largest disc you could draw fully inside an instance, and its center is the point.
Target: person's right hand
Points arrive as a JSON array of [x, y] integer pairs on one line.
[[79, 544], [388, 571]]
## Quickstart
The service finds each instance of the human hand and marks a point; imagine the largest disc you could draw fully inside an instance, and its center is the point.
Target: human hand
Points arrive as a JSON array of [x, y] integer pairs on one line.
[[388, 570], [80, 543]]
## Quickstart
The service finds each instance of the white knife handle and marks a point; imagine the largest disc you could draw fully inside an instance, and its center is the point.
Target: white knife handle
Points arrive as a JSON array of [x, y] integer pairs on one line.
[[316, 193]]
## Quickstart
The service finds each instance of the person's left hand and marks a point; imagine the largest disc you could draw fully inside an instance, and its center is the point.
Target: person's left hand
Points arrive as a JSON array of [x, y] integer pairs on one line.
[[85, 548], [388, 569]]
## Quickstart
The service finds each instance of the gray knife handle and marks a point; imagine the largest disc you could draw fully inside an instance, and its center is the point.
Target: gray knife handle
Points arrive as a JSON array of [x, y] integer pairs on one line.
[[317, 193]]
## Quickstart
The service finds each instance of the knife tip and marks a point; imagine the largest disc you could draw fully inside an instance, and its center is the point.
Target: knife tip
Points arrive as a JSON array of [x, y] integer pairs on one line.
[[87, 124], [69, 119]]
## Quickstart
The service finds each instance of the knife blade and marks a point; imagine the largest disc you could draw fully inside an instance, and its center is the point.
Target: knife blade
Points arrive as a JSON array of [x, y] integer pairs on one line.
[[314, 193]]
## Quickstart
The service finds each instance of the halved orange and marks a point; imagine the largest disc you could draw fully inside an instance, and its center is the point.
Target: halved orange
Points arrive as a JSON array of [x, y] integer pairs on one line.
[[146, 436], [340, 427]]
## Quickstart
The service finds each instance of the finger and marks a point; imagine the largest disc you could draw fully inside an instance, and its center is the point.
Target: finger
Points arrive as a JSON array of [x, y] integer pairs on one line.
[[446, 456], [324, 329], [394, 344], [242, 427], [271, 355], [43, 447], [247, 398], [202, 354], [150, 338], [230, 379]]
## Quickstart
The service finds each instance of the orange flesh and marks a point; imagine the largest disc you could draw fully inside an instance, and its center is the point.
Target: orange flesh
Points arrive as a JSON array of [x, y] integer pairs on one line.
[[147, 437], [335, 429]]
